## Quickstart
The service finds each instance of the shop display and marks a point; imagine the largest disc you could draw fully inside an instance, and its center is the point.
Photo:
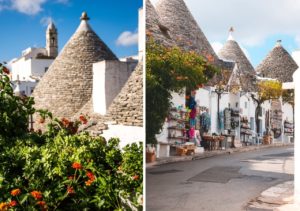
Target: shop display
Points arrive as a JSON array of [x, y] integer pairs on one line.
[[288, 128], [177, 133], [245, 131]]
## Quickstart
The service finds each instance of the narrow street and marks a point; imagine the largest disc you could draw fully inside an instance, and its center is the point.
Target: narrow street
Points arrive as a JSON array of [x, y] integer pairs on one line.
[[226, 182]]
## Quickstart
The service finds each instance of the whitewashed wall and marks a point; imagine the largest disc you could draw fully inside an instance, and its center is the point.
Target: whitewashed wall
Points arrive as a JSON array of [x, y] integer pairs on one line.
[[108, 79], [30, 67], [26, 86], [38, 66], [126, 134]]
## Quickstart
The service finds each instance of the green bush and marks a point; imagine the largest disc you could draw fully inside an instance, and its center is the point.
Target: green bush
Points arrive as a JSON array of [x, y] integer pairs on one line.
[[14, 110], [62, 169], [48, 168]]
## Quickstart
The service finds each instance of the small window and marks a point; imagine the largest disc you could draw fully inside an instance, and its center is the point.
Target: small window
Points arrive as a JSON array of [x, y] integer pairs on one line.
[[31, 90], [236, 105], [246, 104], [46, 69], [228, 105]]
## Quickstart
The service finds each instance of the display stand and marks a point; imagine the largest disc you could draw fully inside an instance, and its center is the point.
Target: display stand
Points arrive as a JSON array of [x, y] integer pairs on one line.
[[245, 132]]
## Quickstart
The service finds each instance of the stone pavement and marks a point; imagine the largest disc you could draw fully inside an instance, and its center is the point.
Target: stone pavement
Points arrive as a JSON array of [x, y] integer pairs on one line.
[[276, 198], [173, 159]]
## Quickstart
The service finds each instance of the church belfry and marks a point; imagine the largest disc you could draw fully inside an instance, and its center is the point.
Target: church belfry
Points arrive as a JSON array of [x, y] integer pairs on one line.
[[51, 40]]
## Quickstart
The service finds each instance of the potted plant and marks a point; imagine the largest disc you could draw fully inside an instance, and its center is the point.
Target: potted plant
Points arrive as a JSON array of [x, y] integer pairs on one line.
[[150, 154]]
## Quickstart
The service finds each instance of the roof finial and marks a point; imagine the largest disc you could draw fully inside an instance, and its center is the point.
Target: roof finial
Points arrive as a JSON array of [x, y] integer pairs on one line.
[[278, 43], [231, 30], [84, 16]]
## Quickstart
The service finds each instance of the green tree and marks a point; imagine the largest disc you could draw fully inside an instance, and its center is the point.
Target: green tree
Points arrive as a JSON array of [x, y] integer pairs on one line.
[[266, 90], [14, 110], [170, 70]]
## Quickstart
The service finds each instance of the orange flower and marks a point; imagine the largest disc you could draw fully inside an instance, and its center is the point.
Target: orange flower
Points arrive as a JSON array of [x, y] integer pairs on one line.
[[65, 122], [41, 120], [41, 203], [70, 190], [210, 58], [15, 192], [13, 203], [135, 177], [89, 182], [90, 175], [71, 177], [4, 206], [83, 119], [76, 165], [37, 195]]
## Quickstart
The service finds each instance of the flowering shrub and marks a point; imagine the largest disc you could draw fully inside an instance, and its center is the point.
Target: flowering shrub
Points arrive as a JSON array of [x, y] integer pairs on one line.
[[61, 168], [71, 169]]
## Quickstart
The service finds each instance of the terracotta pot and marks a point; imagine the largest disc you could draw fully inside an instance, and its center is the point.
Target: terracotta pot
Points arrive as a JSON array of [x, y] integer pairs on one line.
[[267, 140], [150, 157]]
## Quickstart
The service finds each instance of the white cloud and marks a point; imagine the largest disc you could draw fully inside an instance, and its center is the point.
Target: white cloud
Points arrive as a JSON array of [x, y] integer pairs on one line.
[[253, 20], [45, 21], [29, 7], [127, 38]]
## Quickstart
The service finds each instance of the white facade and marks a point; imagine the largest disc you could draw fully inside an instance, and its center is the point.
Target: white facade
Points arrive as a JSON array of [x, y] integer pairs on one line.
[[108, 79], [24, 69], [127, 134]]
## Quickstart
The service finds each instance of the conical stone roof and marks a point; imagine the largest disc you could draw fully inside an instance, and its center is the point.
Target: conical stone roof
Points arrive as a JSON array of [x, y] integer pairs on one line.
[[68, 83], [155, 29], [278, 65], [183, 28], [231, 51]]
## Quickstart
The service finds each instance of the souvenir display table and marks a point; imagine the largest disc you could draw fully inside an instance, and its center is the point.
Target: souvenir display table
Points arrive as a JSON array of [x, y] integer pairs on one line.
[[213, 142]]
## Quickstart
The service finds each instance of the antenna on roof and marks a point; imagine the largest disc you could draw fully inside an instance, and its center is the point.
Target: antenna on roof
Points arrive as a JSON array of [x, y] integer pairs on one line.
[[278, 43], [231, 30]]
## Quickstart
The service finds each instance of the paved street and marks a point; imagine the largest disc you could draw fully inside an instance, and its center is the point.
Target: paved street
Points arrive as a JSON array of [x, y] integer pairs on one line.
[[226, 182]]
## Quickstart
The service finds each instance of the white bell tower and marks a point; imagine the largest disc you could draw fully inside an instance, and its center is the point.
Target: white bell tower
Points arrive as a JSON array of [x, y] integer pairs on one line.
[[51, 40]]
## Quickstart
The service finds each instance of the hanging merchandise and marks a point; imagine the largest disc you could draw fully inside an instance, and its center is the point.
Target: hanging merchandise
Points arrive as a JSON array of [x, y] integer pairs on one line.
[[192, 122], [288, 128], [227, 119], [205, 121], [221, 121], [235, 117], [192, 133], [193, 113], [197, 119], [192, 103]]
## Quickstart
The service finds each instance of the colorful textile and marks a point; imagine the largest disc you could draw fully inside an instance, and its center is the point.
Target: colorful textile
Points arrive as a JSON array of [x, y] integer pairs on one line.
[[193, 113], [192, 122], [192, 133], [192, 102]]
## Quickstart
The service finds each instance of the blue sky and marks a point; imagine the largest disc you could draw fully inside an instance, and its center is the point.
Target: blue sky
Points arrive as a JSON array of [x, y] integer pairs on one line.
[[258, 24], [24, 22]]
